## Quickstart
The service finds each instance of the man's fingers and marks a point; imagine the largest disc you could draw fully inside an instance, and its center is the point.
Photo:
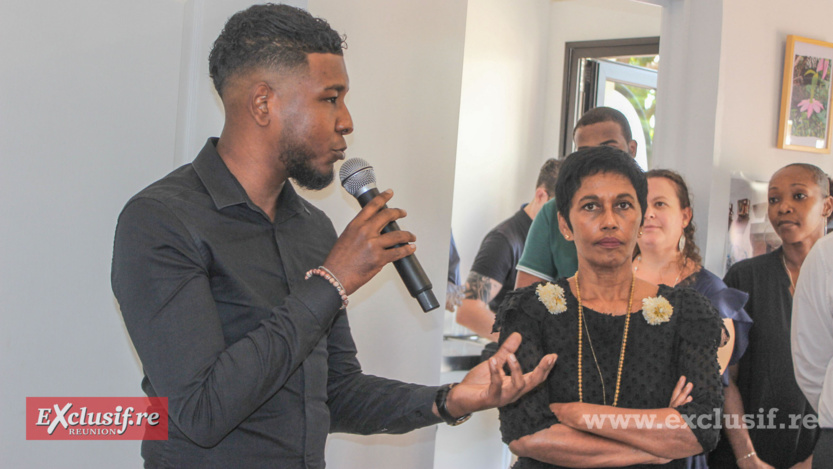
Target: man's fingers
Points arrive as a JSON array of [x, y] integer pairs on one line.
[[496, 380], [362, 249], [386, 215], [375, 205], [507, 389], [376, 215], [516, 374], [540, 373], [530, 380], [393, 238], [510, 345]]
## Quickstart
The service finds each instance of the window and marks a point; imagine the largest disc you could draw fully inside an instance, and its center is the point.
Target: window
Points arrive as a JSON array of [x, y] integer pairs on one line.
[[621, 74]]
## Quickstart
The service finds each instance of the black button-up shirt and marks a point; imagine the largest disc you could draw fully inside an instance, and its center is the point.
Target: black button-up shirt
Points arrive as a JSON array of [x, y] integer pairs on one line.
[[257, 363]]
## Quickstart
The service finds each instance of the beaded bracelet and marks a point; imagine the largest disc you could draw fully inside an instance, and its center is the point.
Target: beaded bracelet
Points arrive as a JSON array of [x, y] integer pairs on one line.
[[753, 453], [322, 271]]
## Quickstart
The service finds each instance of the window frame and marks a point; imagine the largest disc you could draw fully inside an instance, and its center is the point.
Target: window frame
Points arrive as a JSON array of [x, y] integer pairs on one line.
[[575, 103]]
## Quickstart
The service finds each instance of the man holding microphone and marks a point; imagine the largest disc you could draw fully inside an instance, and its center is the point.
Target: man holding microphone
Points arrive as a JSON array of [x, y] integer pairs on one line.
[[233, 288]]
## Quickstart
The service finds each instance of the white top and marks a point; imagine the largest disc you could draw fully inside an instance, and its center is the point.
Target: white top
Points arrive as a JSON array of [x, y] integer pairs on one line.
[[812, 329]]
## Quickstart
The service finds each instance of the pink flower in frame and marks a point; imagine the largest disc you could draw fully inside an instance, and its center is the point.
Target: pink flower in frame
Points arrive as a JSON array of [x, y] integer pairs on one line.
[[822, 67], [810, 106]]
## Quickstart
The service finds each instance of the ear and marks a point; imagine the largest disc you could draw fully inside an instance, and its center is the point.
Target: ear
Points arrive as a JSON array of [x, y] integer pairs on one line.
[[565, 230], [541, 196], [261, 104], [827, 206], [687, 214], [632, 148]]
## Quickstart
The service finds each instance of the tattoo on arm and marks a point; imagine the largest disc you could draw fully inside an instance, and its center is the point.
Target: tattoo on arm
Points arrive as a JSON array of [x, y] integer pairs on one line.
[[480, 287]]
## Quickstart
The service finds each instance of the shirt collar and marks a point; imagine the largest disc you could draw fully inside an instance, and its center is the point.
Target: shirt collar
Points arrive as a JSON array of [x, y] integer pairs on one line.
[[226, 191]]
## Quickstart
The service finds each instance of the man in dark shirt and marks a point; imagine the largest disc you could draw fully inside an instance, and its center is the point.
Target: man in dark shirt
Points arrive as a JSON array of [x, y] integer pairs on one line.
[[209, 263], [492, 274]]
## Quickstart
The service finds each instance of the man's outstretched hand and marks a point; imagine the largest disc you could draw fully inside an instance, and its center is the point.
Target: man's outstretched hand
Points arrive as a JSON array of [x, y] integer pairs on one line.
[[487, 386]]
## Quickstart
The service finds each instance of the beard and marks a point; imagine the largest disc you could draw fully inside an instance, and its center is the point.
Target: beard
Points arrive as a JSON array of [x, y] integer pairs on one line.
[[297, 158]]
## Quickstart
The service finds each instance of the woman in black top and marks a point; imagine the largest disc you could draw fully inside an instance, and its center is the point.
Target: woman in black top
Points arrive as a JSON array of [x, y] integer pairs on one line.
[[762, 385], [637, 379]]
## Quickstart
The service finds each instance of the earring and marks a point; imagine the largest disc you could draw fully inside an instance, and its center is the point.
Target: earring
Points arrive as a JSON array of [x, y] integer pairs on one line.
[[640, 233], [567, 237], [681, 244]]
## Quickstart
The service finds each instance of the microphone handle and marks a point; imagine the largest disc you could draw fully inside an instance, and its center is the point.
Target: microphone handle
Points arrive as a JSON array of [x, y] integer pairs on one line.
[[408, 267]]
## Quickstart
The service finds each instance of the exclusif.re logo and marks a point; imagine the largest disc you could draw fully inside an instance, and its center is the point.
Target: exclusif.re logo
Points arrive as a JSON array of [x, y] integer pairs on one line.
[[96, 418]]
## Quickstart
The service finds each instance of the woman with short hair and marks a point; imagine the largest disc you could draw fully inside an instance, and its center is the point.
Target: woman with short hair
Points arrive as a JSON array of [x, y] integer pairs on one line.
[[637, 380], [766, 412]]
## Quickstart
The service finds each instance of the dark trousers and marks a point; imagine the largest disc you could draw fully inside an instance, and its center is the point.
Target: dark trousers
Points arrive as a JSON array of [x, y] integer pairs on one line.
[[823, 453]]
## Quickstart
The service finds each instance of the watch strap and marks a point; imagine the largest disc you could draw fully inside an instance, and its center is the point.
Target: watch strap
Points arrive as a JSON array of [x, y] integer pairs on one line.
[[442, 407]]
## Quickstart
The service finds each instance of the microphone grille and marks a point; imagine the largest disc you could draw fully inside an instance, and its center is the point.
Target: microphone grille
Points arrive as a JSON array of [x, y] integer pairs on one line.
[[355, 174]]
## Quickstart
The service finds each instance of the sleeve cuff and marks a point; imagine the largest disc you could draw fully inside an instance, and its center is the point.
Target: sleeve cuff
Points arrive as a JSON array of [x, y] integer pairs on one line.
[[319, 297], [425, 412], [535, 273]]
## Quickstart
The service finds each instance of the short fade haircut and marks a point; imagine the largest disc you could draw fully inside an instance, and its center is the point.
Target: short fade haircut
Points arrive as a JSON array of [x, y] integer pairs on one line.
[[276, 37], [591, 161], [548, 176], [605, 114], [820, 176]]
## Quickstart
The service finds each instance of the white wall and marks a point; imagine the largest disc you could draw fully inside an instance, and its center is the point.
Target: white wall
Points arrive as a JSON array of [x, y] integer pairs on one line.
[[199, 109], [687, 110], [101, 99], [87, 117], [720, 94], [749, 99], [751, 70], [405, 65], [501, 116], [510, 110]]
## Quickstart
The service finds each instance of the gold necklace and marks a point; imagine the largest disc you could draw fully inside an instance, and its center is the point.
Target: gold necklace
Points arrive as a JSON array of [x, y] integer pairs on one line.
[[621, 353], [596, 361]]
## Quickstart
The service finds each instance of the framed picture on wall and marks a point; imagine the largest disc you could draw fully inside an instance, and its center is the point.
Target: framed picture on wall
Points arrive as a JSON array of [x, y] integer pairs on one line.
[[805, 95]]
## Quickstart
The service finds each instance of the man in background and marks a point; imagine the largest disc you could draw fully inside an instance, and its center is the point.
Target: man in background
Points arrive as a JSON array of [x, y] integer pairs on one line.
[[492, 274], [547, 255]]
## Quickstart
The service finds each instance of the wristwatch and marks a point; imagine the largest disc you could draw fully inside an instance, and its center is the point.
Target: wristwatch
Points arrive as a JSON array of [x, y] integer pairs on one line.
[[442, 400]]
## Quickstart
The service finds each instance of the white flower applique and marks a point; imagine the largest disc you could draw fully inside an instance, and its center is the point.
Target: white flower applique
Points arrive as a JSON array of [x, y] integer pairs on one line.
[[657, 310], [552, 296]]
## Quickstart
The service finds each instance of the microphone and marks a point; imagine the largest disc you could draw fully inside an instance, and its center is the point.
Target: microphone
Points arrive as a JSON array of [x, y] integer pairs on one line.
[[358, 179]]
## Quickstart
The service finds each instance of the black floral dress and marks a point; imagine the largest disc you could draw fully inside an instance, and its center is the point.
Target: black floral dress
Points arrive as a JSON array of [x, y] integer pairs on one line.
[[656, 356]]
